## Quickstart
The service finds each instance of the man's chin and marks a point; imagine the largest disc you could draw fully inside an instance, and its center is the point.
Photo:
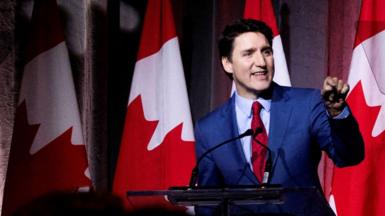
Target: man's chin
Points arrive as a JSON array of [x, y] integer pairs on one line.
[[262, 86], [263, 90]]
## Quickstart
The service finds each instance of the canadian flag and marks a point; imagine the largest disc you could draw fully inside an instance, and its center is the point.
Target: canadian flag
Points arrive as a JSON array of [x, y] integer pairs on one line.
[[157, 147], [360, 190], [263, 10], [47, 151]]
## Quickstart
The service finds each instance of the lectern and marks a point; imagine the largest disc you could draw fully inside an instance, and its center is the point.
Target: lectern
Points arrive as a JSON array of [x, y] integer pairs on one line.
[[272, 199]]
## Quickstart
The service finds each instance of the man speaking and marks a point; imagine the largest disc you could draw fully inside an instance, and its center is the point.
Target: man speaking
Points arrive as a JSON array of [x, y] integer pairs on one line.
[[295, 124]]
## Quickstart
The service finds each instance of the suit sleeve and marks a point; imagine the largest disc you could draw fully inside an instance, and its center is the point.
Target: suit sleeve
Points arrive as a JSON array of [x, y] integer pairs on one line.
[[340, 138], [208, 173], [346, 132]]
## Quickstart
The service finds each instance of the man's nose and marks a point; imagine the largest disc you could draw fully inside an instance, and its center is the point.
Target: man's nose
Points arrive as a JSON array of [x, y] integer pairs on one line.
[[259, 60]]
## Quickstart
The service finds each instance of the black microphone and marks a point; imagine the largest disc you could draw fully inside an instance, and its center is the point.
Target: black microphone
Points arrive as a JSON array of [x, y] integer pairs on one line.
[[194, 173], [269, 161]]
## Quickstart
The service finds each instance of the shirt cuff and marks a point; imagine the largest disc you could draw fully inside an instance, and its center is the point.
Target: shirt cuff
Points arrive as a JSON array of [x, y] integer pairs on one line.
[[344, 114]]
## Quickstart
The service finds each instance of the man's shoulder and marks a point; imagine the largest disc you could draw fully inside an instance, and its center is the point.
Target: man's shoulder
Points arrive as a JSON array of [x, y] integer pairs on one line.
[[217, 113], [298, 92]]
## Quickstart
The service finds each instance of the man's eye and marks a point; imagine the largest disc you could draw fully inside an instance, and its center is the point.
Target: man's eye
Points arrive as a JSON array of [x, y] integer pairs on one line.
[[268, 52], [247, 53]]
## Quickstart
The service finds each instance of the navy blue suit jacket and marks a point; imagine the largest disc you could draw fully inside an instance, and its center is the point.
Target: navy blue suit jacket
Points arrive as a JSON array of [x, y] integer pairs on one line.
[[299, 130]]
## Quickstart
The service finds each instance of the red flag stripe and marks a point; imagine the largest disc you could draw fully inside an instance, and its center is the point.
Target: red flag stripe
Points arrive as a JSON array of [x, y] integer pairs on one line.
[[45, 31], [261, 10], [156, 21], [372, 20]]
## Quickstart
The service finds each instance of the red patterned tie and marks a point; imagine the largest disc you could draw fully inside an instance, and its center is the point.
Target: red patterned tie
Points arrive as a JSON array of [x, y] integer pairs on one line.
[[258, 157]]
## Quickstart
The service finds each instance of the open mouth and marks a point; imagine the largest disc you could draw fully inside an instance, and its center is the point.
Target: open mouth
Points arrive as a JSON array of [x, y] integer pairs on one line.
[[259, 73]]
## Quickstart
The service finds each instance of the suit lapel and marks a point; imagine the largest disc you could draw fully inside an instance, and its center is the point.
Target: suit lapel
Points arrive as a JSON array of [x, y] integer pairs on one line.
[[279, 119], [230, 124]]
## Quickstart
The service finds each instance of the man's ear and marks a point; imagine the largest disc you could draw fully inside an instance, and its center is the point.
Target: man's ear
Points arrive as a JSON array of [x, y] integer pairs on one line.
[[227, 65]]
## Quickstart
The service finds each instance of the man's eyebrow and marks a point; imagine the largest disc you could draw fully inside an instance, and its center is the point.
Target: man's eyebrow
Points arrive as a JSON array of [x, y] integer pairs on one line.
[[253, 49], [248, 50], [266, 48]]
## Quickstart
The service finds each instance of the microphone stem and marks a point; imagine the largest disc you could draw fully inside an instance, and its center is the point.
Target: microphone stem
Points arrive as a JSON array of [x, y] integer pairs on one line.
[[195, 170]]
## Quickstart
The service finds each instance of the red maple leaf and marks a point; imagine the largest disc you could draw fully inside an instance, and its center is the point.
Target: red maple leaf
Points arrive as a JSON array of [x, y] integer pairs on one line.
[[169, 164], [57, 166], [360, 190]]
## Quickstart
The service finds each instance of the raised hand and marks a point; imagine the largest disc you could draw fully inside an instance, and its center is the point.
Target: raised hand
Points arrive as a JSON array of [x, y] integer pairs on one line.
[[334, 92]]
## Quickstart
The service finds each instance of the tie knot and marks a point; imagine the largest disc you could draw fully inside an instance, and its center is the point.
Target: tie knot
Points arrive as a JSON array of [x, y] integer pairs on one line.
[[256, 108]]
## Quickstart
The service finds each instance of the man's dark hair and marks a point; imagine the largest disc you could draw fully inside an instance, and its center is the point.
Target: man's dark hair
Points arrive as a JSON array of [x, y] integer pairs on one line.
[[233, 30]]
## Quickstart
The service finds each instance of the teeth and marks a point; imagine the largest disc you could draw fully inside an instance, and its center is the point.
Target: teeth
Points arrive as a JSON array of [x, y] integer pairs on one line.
[[258, 72]]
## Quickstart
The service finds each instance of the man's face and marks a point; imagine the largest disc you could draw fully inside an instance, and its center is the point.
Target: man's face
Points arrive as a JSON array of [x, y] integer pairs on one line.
[[251, 64]]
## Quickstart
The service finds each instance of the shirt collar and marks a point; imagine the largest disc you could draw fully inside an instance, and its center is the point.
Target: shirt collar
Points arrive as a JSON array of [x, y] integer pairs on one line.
[[244, 104]]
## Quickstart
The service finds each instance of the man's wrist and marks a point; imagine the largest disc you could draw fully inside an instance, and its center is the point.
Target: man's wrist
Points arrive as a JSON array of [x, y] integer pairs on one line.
[[339, 114]]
